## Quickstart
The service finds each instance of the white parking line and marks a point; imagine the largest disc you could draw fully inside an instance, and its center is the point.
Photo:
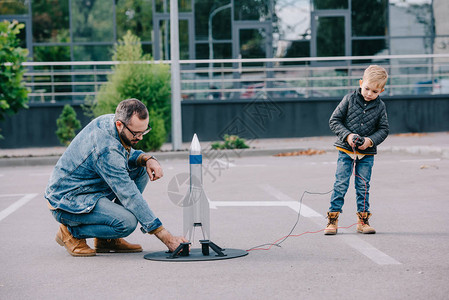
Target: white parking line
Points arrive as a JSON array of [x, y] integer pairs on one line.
[[305, 210], [40, 174], [16, 205], [368, 250], [420, 160], [224, 163], [284, 200]]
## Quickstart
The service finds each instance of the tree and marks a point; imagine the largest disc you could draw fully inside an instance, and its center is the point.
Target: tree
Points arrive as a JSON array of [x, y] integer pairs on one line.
[[67, 124], [134, 77], [13, 93]]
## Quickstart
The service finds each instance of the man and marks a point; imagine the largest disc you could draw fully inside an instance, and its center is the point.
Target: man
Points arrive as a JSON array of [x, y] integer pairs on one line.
[[95, 190]]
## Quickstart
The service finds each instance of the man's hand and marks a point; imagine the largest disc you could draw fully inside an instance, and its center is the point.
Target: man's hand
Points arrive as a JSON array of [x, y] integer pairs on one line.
[[172, 242], [154, 169]]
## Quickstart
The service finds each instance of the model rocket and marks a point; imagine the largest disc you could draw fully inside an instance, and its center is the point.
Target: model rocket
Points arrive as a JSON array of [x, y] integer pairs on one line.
[[196, 204], [196, 214]]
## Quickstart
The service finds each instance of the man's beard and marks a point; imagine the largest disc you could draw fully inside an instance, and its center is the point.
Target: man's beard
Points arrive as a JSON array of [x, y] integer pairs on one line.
[[125, 139]]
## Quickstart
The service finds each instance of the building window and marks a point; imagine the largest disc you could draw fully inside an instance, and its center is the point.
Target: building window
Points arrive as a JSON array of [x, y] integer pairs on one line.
[[92, 21], [51, 53], [418, 45], [252, 10], [51, 21], [291, 28], [221, 20], [92, 53], [135, 16], [330, 37], [369, 47], [410, 19], [220, 51], [330, 4], [252, 43], [13, 7], [163, 6], [369, 18]]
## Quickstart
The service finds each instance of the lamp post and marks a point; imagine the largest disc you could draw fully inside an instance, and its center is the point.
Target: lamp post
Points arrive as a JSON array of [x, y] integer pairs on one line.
[[175, 77], [211, 48]]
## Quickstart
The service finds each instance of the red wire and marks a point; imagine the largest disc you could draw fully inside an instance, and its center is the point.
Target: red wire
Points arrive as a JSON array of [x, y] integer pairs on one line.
[[307, 232], [355, 175], [296, 235]]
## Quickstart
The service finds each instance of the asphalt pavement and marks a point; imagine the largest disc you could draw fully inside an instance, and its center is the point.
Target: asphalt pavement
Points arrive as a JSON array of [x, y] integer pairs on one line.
[[257, 198]]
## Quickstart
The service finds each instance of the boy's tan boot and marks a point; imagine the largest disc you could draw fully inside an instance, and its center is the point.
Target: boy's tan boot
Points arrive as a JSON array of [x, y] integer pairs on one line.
[[332, 224], [363, 224], [115, 245], [76, 247]]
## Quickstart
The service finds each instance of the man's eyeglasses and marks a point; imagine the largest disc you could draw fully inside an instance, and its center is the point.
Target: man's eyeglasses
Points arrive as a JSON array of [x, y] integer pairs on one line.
[[137, 134]]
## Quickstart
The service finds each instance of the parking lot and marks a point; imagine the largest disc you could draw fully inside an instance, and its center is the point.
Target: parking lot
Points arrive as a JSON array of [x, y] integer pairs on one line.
[[254, 201]]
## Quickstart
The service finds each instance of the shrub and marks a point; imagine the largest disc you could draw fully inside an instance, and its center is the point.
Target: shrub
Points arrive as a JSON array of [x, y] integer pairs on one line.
[[230, 142], [157, 136], [67, 125], [13, 93], [134, 78]]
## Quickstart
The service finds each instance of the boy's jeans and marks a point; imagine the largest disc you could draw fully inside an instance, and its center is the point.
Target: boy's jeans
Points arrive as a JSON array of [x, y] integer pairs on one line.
[[363, 169], [108, 220]]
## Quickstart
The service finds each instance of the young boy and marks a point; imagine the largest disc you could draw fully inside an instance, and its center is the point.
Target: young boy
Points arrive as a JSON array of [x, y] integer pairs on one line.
[[360, 123]]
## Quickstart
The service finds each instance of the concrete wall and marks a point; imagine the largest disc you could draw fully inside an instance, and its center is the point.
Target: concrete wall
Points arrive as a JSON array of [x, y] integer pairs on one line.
[[250, 119]]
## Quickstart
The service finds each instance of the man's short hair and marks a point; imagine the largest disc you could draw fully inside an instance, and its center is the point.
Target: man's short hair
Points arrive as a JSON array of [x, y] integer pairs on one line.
[[127, 108], [376, 74]]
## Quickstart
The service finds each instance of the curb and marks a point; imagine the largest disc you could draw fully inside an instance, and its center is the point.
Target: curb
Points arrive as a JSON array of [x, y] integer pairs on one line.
[[28, 161], [212, 154], [217, 154], [420, 150]]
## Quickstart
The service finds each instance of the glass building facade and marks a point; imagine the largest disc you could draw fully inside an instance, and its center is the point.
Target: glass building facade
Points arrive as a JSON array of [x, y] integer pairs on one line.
[[86, 30]]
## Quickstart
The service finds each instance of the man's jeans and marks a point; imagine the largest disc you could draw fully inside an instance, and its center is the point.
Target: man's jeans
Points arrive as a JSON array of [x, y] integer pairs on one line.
[[108, 219], [362, 178]]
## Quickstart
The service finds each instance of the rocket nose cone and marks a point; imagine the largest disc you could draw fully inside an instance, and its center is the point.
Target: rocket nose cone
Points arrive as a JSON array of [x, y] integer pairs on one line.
[[195, 147]]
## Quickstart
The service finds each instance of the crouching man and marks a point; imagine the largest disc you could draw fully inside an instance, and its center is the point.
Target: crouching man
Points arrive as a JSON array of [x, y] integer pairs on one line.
[[95, 190]]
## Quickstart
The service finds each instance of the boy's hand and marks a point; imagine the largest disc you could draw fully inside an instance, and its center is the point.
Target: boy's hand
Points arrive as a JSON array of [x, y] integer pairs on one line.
[[350, 139], [368, 143]]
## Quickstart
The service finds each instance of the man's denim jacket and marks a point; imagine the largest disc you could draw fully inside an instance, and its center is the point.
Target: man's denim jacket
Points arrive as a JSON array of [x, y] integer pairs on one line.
[[95, 165]]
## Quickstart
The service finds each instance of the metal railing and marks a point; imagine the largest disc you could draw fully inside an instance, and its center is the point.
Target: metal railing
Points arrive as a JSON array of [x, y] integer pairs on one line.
[[251, 78]]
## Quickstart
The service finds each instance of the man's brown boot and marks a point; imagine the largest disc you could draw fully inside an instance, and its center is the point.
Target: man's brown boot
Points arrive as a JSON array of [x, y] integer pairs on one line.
[[332, 224], [363, 224], [115, 245], [76, 247]]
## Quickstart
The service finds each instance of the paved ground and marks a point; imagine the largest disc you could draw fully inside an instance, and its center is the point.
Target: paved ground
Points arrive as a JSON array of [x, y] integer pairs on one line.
[[255, 200]]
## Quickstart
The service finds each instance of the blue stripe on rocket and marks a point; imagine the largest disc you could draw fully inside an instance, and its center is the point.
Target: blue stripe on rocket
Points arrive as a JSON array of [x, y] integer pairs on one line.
[[196, 159]]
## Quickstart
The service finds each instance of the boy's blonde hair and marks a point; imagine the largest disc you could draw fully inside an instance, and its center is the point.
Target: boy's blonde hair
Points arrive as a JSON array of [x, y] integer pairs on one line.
[[376, 74]]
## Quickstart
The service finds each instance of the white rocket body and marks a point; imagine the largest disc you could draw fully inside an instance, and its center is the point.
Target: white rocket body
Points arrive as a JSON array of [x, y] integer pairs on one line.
[[196, 204]]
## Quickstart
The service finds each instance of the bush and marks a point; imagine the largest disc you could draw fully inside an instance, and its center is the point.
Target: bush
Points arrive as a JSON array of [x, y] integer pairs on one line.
[[67, 124], [13, 93], [150, 83], [230, 142]]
